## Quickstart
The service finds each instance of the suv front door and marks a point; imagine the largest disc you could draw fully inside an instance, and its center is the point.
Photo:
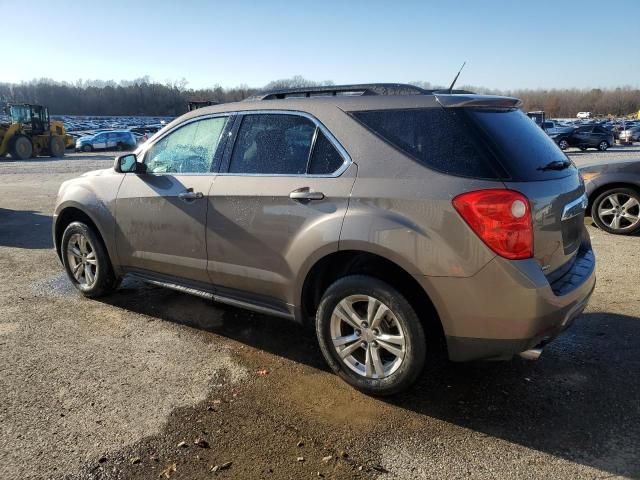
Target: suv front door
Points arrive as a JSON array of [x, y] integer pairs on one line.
[[277, 204], [582, 136], [161, 214]]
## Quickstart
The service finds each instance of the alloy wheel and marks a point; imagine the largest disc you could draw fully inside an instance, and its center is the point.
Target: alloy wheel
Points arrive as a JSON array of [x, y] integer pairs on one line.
[[619, 211], [603, 146], [367, 336], [82, 260], [563, 144]]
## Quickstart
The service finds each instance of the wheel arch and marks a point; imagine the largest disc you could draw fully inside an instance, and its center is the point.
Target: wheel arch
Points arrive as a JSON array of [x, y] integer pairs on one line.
[[69, 214], [341, 263]]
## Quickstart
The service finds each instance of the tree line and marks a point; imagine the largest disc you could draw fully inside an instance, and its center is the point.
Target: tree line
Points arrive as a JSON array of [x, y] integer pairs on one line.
[[144, 96]]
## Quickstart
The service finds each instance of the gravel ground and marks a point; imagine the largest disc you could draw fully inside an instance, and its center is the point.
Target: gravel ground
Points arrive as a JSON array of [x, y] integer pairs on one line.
[[109, 389]]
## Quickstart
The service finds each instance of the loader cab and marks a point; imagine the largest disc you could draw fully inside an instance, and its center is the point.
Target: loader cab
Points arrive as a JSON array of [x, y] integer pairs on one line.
[[33, 117]]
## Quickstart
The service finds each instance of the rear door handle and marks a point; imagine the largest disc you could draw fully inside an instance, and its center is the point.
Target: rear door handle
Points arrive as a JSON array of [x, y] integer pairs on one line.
[[190, 195], [305, 194]]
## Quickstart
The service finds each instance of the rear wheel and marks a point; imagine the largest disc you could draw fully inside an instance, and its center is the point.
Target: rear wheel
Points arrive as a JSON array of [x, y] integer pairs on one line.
[[370, 335], [617, 211], [563, 144], [21, 147], [86, 261], [56, 147], [603, 145]]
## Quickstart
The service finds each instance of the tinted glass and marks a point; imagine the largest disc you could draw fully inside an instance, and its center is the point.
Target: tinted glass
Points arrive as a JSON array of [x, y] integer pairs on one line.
[[584, 129], [440, 139], [272, 144], [325, 159], [189, 149], [522, 148]]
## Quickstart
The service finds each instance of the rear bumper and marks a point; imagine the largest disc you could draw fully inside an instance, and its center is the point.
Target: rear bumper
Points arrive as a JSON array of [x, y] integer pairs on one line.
[[509, 306]]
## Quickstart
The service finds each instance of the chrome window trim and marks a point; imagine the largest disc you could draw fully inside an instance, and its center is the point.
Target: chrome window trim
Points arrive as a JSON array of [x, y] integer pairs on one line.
[[346, 158], [145, 148]]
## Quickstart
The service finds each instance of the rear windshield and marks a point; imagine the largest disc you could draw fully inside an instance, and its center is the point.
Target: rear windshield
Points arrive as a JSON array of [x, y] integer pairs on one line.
[[492, 144], [521, 146]]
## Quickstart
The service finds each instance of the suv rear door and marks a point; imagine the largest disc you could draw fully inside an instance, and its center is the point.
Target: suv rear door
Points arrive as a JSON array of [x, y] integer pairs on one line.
[[279, 199], [161, 214]]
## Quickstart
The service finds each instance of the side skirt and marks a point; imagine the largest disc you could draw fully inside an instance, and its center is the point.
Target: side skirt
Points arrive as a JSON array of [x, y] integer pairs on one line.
[[216, 296]]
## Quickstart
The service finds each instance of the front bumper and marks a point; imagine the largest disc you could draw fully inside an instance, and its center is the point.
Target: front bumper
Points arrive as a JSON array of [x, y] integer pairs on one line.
[[509, 306]]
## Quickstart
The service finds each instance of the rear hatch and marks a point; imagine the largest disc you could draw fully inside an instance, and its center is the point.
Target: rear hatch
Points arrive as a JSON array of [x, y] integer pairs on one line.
[[535, 166], [488, 137]]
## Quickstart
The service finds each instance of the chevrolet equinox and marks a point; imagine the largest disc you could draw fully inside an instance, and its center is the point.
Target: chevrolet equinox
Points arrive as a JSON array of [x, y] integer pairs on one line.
[[390, 218]]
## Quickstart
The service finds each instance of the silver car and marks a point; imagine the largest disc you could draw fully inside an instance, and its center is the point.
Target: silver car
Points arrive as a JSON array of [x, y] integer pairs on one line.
[[118, 140], [390, 218]]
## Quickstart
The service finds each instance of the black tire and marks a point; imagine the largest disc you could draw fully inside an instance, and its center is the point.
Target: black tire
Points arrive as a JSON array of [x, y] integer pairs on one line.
[[56, 147], [605, 221], [603, 145], [105, 280], [415, 346], [563, 143], [87, 148], [21, 147]]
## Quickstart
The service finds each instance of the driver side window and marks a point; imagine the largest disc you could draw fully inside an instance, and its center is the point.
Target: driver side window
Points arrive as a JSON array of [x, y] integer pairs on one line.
[[189, 149]]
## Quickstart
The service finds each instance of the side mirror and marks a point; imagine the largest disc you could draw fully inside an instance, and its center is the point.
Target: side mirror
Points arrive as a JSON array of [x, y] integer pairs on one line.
[[127, 164]]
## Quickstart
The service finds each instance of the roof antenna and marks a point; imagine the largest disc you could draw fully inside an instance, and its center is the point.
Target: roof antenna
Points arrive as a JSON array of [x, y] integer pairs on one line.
[[456, 79]]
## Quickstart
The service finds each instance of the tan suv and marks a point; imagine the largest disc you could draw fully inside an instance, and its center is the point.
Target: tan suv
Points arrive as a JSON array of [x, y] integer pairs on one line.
[[387, 216]]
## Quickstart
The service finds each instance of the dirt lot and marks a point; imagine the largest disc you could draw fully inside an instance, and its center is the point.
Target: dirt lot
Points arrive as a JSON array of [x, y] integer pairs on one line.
[[110, 389]]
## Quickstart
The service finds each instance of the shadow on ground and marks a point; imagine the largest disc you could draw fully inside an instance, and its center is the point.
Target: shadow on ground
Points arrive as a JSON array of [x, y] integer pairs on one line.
[[578, 402], [25, 229]]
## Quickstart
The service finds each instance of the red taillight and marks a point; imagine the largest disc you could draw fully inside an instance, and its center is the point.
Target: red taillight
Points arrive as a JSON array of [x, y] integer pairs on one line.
[[501, 218]]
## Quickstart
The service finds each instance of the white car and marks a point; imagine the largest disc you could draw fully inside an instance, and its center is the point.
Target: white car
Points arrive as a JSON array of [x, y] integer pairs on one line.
[[583, 115]]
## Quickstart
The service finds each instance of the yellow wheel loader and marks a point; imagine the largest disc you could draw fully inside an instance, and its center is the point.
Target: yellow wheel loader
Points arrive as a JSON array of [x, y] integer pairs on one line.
[[31, 133]]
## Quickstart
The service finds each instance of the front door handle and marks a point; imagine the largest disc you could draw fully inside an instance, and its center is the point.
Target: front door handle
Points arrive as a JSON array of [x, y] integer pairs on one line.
[[190, 195], [305, 194]]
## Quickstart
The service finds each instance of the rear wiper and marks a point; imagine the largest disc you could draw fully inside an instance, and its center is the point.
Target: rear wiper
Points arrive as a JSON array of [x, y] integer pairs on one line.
[[556, 165]]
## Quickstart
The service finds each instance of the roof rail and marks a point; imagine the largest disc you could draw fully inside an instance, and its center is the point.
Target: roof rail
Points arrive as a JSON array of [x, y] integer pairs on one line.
[[334, 90]]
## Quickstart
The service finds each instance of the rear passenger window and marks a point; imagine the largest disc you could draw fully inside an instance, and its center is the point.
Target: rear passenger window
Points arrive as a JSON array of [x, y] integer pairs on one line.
[[433, 136], [272, 144], [325, 159]]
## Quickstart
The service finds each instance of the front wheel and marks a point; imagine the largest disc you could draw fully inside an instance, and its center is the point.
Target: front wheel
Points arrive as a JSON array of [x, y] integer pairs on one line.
[[602, 146], [370, 335], [86, 261], [87, 148], [21, 147], [617, 211], [563, 144]]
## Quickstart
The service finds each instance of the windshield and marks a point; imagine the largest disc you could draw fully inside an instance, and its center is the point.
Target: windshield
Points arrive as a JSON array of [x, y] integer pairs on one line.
[[523, 149], [20, 114]]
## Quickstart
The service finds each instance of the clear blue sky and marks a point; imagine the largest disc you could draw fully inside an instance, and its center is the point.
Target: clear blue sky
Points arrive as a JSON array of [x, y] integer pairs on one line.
[[507, 44]]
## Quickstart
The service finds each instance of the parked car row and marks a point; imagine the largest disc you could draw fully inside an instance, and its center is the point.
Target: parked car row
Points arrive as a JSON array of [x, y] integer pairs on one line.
[[584, 137], [589, 134]]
